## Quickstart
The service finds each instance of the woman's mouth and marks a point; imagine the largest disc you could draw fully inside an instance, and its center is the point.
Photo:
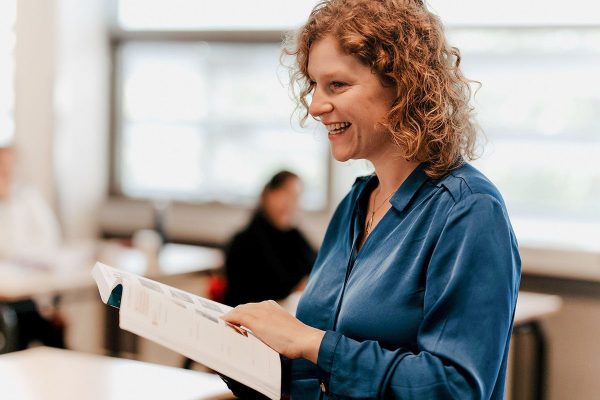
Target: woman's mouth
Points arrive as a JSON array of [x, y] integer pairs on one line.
[[337, 128]]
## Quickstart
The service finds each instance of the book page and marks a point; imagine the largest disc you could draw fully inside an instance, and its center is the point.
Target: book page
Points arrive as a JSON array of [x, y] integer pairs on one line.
[[190, 325]]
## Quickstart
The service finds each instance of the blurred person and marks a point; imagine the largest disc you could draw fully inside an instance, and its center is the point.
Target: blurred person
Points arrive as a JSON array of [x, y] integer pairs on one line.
[[413, 292], [28, 230], [269, 258]]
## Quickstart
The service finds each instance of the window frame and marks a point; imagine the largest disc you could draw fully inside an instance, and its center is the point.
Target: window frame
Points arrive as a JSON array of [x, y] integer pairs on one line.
[[120, 37]]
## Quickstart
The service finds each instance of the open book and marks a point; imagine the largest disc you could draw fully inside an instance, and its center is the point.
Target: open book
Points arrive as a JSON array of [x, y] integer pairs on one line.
[[190, 325]]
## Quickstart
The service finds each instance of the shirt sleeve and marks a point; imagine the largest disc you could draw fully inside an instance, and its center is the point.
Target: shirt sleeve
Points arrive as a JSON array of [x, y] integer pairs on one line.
[[471, 289]]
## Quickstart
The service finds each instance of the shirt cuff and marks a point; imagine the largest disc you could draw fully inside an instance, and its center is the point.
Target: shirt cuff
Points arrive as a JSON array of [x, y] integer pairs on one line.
[[325, 357]]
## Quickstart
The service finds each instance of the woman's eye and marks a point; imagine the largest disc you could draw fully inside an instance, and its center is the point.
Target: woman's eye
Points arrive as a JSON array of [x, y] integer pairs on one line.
[[337, 84]]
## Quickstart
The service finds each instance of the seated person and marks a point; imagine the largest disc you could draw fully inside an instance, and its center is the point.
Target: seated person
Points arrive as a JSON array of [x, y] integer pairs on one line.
[[28, 228], [269, 258]]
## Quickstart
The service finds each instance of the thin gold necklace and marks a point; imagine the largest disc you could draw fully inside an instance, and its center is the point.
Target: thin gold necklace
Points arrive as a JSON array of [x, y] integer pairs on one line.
[[369, 225]]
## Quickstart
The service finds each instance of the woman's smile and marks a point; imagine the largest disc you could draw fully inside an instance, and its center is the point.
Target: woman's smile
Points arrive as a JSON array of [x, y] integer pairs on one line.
[[336, 130]]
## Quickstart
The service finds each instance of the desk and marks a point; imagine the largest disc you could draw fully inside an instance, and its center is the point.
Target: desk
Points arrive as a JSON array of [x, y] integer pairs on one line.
[[174, 260], [69, 270], [44, 373], [535, 306], [181, 258], [531, 309], [52, 273]]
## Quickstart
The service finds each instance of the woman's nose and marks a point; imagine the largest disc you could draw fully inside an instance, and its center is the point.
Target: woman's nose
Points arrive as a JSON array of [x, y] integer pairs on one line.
[[319, 104]]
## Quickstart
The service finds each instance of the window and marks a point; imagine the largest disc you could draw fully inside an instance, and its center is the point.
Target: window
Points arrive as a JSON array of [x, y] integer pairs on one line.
[[200, 101], [207, 119], [539, 109], [7, 48]]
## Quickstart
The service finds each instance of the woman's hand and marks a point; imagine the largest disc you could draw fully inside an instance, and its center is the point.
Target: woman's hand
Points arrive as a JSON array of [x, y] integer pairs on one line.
[[278, 329]]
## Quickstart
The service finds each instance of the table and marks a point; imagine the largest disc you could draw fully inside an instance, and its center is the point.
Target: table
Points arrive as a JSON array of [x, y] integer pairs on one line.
[[48, 274], [69, 270], [43, 373], [174, 260], [531, 309]]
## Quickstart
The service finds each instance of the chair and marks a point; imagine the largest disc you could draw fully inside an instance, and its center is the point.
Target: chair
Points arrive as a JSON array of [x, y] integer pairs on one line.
[[8, 329]]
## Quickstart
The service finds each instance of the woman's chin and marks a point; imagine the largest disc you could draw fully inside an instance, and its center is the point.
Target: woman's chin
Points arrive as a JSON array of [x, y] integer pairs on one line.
[[340, 155]]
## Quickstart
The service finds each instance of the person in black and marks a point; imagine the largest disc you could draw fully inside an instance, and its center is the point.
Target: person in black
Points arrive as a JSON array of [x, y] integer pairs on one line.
[[269, 258]]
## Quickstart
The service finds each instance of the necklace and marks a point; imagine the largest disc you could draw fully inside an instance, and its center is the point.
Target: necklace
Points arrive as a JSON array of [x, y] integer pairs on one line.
[[369, 225]]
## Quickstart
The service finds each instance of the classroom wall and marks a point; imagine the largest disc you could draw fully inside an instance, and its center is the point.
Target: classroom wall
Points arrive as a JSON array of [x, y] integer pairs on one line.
[[82, 114], [35, 54], [61, 106]]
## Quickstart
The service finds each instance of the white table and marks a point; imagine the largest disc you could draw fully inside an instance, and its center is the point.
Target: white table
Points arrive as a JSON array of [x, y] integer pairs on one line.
[[44, 373], [68, 270], [535, 306], [174, 260]]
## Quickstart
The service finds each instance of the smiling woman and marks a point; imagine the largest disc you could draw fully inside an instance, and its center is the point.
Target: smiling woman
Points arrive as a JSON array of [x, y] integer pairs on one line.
[[413, 292]]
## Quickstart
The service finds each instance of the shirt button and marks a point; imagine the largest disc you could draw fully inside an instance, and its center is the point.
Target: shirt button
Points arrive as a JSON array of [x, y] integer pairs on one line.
[[323, 388]]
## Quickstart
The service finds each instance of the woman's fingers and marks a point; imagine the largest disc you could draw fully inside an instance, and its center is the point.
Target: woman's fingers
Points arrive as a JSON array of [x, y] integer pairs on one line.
[[247, 314], [273, 325]]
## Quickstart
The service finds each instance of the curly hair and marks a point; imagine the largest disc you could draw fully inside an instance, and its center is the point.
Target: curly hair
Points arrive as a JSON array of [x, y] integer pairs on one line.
[[404, 44]]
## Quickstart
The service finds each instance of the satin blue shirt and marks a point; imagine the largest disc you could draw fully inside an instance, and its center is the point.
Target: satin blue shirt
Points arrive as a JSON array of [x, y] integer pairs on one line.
[[424, 309]]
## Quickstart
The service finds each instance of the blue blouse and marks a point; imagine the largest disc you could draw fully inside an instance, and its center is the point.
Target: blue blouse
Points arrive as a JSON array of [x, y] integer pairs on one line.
[[424, 309]]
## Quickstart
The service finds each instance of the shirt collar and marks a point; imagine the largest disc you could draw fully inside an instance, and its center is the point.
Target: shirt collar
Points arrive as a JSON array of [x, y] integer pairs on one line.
[[401, 197], [409, 187]]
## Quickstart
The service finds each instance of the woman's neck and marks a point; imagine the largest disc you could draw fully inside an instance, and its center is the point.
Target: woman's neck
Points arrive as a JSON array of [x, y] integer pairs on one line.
[[392, 172]]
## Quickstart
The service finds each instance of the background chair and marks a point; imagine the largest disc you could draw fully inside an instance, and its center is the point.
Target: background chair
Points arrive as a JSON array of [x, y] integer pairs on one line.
[[8, 329]]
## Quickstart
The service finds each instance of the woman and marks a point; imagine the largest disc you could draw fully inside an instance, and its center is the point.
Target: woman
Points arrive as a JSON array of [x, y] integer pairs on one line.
[[269, 258], [413, 292]]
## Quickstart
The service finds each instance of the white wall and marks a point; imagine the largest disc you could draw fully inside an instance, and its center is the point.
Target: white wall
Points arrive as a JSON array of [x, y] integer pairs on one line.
[[81, 107], [61, 99], [34, 92]]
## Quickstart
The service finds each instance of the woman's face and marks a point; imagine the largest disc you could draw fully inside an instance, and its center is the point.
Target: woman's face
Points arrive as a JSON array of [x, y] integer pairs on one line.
[[282, 204], [350, 101]]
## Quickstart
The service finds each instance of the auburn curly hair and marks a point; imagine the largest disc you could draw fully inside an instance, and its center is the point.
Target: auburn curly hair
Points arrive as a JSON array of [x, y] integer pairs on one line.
[[404, 44]]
